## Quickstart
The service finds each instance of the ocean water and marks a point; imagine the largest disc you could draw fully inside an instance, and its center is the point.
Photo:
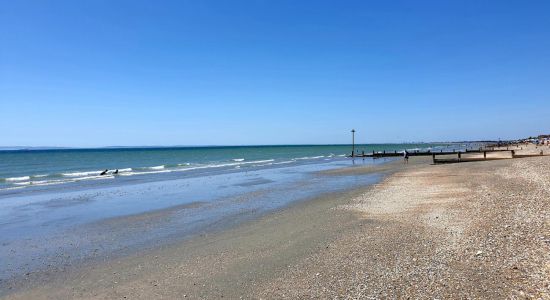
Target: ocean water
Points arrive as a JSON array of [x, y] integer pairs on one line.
[[56, 210], [20, 169]]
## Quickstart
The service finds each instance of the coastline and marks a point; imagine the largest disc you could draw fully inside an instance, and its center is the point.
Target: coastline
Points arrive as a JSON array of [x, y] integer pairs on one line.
[[477, 230], [53, 232]]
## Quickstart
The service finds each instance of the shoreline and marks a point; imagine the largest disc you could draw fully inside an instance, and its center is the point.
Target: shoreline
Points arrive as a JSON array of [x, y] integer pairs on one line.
[[199, 245], [114, 237], [450, 231]]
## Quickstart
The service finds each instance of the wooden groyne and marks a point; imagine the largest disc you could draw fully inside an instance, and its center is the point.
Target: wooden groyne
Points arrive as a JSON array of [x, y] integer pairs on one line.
[[381, 154], [461, 155]]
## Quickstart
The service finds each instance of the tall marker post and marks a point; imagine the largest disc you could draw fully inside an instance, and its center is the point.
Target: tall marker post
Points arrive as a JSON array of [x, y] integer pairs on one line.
[[353, 143]]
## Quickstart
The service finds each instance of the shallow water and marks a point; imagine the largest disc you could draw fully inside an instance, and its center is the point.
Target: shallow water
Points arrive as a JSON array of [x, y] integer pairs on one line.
[[53, 227]]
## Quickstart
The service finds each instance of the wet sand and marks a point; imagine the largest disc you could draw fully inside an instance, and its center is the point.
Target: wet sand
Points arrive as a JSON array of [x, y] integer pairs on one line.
[[51, 231], [469, 230]]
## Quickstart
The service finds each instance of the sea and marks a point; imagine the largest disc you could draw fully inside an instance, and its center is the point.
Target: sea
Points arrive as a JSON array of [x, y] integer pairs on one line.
[[58, 211], [25, 168]]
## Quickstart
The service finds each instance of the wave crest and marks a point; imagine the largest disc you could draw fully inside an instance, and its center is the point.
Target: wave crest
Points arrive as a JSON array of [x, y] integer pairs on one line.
[[22, 178]]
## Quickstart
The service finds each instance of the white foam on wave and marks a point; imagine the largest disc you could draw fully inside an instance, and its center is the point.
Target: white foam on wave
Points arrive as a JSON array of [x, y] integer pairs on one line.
[[284, 162], [56, 181], [22, 183], [48, 182], [40, 175], [161, 167], [260, 161], [80, 174], [12, 188], [222, 165], [238, 159], [309, 157], [22, 178], [236, 164], [145, 172]]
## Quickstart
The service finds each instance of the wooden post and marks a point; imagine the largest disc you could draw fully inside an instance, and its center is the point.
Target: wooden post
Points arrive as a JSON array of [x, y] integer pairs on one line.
[[513, 153], [352, 142]]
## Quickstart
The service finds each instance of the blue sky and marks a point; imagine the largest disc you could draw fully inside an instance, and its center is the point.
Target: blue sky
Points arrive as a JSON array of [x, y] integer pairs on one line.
[[98, 73]]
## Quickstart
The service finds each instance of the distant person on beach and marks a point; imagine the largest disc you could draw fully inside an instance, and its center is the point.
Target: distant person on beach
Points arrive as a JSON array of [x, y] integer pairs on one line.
[[104, 172], [405, 157]]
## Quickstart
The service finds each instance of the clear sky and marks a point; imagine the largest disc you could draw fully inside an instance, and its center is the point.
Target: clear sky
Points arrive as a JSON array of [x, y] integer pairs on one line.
[[98, 73]]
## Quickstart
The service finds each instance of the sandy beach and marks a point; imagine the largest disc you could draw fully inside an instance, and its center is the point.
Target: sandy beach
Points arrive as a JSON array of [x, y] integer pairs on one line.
[[471, 230]]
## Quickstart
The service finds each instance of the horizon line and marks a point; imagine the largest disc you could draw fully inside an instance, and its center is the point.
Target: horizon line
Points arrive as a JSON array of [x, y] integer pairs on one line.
[[3, 148]]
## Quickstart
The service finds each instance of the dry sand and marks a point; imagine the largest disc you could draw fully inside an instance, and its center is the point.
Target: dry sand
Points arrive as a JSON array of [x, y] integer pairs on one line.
[[476, 230], [472, 230]]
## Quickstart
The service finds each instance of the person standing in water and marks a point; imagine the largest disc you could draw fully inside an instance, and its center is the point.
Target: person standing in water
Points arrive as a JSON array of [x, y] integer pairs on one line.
[[405, 157]]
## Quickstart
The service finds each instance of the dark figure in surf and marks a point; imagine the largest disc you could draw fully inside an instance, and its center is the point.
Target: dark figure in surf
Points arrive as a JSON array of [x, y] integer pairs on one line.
[[104, 172], [115, 172]]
